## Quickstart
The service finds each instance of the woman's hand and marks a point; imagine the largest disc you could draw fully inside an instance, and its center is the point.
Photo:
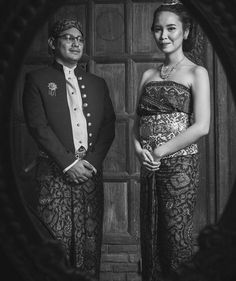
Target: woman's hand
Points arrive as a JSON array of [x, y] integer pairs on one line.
[[146, 160]]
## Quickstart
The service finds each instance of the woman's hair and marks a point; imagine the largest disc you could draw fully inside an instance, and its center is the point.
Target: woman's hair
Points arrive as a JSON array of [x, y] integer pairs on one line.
[[184, 17]]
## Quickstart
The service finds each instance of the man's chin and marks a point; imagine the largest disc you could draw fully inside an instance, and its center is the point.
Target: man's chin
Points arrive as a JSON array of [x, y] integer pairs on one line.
[[75, 59], [77, 56]]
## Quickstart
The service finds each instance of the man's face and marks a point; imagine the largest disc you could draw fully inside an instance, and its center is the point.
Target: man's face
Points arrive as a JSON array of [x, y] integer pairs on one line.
[[68, 47]]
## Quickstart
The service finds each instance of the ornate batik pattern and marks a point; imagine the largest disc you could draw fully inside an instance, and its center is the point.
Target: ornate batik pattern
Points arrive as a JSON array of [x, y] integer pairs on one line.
[[166, 215], [165, 110], [73, 213], [164, 97], [169, 194], [158, 129]]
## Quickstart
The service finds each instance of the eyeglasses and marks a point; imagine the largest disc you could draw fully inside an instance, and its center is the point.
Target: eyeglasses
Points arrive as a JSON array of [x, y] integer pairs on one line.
[[71, 39]]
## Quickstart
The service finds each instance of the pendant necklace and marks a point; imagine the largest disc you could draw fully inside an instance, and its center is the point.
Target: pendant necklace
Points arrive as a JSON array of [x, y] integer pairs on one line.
[[165, 71]]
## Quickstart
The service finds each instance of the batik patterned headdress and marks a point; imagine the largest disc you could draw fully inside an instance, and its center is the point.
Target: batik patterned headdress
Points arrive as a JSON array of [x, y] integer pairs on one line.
[[171, 2], [61, 25]]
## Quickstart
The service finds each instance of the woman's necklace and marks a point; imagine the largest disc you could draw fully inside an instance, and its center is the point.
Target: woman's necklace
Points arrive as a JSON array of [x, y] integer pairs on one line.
[[165, 71]]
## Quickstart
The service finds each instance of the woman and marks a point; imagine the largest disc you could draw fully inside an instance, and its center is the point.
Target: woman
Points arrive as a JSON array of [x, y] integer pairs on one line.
[[172, 114]]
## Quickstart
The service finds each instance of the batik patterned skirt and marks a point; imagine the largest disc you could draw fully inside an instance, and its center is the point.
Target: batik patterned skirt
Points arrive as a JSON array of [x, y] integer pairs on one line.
[[166, 215], [73, 213]]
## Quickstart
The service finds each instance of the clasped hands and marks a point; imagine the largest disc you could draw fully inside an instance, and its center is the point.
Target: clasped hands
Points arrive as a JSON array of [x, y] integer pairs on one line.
[[80, 172], [149, 160]]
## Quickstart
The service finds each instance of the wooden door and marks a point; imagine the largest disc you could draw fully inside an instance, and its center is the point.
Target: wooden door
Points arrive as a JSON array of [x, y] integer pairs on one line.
[[119, 47]]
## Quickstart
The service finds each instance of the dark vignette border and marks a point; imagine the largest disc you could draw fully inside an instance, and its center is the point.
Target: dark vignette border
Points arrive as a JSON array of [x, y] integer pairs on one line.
[[33, 258]]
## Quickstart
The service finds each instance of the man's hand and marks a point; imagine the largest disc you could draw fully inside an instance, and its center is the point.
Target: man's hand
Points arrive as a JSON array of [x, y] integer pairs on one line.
[[88, 165], [80, 172]]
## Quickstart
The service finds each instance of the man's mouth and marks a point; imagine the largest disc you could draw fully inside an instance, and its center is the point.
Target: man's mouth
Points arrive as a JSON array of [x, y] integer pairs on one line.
[[75, 51]]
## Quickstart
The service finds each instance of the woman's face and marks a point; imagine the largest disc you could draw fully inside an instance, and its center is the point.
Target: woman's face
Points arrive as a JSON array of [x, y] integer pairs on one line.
[[168, 32]]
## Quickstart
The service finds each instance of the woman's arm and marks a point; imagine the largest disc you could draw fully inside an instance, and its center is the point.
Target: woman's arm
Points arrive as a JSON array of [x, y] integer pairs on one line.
[[200, 127]]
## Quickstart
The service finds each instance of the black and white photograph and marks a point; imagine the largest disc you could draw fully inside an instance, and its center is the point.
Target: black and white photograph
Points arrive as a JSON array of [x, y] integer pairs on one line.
[[118, 140]]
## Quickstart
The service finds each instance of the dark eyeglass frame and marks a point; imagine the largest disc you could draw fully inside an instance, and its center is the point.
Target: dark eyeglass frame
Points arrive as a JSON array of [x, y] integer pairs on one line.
[[71, 38]]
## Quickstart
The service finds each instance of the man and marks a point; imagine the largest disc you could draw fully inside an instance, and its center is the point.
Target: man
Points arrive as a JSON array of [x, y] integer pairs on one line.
[[70, 115]]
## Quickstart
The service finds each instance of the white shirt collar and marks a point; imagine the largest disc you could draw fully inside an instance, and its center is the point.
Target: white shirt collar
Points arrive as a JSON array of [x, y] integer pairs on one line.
[[68, 70]]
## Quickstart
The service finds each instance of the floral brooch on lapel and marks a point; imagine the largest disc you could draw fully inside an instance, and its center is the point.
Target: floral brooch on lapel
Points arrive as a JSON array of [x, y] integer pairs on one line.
[[52, 87]]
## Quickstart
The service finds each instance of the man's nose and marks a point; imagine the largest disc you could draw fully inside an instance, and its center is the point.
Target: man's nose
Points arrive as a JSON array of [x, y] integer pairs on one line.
[[76, 42]]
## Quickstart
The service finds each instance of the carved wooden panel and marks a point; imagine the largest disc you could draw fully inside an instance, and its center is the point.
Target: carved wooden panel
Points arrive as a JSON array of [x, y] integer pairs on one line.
[[223, 138], [134, 162], [121, 216], [115, 76], [134, 208], [205, 208], [208, 163], [142, 41], [109, 29], [116, 160], [116, 211], [232, 136]]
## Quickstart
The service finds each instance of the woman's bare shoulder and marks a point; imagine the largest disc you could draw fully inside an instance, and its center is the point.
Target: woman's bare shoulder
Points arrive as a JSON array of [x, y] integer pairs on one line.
[[199, 77], [147, 74], [196, 69], [194, 73], [199, 73]]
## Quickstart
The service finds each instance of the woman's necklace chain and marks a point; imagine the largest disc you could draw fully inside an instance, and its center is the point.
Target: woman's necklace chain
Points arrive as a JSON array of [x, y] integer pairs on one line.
[[165, 72]]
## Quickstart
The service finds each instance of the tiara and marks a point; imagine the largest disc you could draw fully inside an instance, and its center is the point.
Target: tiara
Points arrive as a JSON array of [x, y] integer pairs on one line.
[[171, 2]]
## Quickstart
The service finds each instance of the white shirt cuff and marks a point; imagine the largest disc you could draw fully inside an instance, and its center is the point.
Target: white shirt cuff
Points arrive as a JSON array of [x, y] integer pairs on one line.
[[71, 165]]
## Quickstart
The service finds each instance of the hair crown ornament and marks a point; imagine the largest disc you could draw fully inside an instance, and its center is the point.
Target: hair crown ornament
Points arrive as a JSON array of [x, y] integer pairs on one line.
[[171, 2]]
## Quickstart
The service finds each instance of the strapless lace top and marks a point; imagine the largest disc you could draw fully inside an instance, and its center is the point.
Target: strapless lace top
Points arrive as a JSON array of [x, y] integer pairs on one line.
[[165, 109]]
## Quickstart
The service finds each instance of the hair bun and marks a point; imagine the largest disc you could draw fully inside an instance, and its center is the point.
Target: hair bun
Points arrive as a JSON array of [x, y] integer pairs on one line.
[[171, 2]]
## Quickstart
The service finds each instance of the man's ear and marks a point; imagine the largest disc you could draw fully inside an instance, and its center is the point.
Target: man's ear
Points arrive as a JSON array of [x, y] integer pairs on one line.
[[51, 43]]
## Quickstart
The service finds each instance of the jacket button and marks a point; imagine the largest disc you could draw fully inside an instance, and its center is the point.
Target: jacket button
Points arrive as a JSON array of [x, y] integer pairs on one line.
[[90, 134], [85, 104], [88, 114], [82, 86], [80, 78], [90, 144], [89, 124], [84, 96]]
